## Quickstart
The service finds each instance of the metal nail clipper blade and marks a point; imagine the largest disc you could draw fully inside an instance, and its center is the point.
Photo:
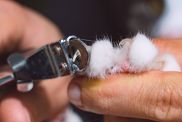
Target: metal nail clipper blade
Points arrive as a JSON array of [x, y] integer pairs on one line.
[[68, 56]]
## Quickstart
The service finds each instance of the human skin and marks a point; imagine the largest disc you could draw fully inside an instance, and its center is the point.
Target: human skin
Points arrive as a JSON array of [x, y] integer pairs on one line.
[[149, 96], [153, 95], [22, 29]]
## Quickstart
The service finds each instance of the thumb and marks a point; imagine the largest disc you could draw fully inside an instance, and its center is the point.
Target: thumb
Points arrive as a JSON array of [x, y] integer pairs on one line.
[[44, 102], [152, 95]]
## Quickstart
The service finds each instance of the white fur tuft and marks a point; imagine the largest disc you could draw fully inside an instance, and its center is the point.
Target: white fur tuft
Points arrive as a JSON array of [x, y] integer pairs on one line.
[[101, 59], [170, 63], [133, 55], [142, 52]]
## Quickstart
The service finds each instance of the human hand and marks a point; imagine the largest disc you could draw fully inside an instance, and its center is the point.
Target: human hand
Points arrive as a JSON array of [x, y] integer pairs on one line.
[[152, 95], [23, 29]]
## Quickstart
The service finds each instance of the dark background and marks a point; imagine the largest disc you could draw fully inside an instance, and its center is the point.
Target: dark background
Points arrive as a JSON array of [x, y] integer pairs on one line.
[[92, 19], [97, 18]]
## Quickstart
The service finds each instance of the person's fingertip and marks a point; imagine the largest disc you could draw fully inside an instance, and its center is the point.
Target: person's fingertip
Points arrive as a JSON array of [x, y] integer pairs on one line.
[[26, 115], [11, 109], [74, 93]]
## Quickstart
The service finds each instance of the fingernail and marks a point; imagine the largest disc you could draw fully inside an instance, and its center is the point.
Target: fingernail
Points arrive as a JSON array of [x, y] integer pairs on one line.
[[75, 94]]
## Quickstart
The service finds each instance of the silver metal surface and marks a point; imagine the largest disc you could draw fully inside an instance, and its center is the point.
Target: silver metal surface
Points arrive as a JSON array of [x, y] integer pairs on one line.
[[76, 54], [6, 79], [68, 56]]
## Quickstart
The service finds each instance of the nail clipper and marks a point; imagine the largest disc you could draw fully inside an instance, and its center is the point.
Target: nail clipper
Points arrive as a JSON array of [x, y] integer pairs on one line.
[[69, 56]]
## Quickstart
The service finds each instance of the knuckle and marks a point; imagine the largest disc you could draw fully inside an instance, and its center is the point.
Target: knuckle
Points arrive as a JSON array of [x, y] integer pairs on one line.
[[98, 100], [103, 100], [165, 105]]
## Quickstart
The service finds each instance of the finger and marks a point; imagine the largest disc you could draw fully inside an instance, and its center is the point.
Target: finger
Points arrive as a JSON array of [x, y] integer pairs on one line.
[[122, 119], [8, 113], [27, 30], [170, 46], [44, 102], [152, 95]]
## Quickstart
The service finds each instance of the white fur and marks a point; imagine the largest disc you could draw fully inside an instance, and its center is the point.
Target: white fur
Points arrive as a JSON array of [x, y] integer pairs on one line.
[[170, 64], [136, 55], [142, 52], [101, 58], [120, 55]]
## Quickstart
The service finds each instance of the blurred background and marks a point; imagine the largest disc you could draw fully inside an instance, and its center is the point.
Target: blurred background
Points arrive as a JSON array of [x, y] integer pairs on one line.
[[96, 18], [116, 19]]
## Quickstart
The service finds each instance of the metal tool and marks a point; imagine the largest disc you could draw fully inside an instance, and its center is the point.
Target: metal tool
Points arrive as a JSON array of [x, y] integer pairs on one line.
[[68, 56]]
